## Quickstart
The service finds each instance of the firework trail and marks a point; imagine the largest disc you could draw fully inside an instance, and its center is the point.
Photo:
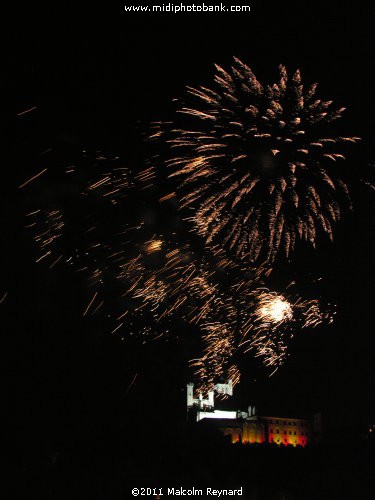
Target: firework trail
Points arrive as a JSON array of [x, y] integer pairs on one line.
[[147, 282], [73, 223], [257, 165], [235, 314], [146, 286]]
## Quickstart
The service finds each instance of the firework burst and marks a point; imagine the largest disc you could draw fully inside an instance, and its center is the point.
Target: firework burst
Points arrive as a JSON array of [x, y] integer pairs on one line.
[[148, 287], [275, 319], [257, 165], [149, 281]]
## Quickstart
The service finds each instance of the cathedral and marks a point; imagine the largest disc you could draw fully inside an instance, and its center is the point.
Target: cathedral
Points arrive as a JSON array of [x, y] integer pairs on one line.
[[248, 427]]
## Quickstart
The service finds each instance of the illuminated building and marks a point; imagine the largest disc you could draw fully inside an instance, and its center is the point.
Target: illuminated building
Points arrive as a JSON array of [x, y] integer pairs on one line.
[[247, 427], [205, 407]]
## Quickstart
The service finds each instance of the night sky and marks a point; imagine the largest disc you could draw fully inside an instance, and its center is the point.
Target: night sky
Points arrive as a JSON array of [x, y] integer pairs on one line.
[[97, 79]]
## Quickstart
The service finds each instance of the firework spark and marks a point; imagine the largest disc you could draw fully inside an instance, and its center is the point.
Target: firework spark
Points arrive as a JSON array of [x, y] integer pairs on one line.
[[32, 178], [257, 168], [3, 297]]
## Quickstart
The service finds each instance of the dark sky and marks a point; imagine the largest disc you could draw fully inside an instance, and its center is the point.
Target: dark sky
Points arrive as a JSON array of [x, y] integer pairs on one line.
[[96, 78]]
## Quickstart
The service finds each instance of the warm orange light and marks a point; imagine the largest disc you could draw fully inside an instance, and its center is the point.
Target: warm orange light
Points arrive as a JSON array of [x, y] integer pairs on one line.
[[153, 246]]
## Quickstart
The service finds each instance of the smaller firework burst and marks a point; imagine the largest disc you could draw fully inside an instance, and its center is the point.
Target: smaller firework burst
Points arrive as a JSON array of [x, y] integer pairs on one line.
[[275, 320], [273, 309]]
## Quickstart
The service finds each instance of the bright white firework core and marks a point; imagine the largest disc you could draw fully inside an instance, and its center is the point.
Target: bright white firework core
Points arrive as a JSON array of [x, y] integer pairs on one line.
[[274, 309]]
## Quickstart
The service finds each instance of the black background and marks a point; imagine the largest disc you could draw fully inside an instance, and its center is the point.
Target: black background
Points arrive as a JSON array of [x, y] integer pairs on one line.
[[96, 77]]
